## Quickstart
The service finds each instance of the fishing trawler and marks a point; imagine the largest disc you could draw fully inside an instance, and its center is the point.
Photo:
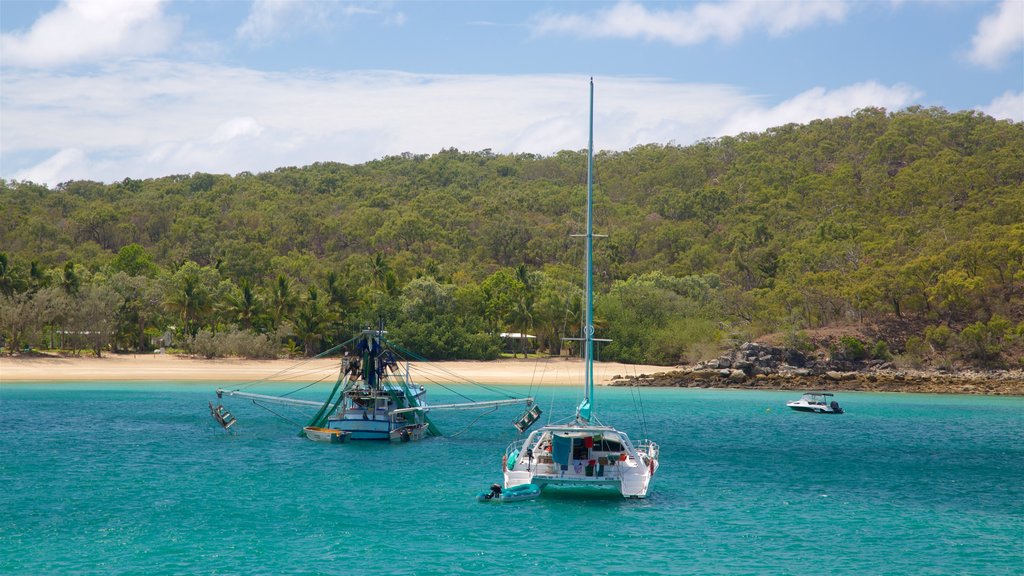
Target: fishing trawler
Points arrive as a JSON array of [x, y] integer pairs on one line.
[[582, 451], [373, 398]]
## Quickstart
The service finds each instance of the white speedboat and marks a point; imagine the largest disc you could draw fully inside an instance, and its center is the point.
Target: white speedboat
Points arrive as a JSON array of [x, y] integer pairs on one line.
[[582, 452], [817, 402]]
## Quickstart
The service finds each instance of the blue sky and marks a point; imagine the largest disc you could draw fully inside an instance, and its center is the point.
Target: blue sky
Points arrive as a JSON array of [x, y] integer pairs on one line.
[[108, 89]]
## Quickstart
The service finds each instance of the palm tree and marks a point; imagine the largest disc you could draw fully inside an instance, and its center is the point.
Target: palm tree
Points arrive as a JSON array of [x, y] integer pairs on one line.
[[190, 302], [244, 305], [312, 321], [9, 280], [282, 300], [69, 280]]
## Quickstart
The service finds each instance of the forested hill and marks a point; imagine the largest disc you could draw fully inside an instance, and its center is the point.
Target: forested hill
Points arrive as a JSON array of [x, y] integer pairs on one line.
[[914, 217]]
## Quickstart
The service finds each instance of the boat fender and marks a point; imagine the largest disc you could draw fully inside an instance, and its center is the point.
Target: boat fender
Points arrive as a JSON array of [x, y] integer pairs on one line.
[[511, 462]]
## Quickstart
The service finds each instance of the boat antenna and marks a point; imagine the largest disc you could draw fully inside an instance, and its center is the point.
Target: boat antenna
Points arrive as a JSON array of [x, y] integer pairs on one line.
[[585, 409]]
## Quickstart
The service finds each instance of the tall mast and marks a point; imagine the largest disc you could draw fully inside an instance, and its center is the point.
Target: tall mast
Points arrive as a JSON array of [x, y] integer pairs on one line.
[[585, 408]]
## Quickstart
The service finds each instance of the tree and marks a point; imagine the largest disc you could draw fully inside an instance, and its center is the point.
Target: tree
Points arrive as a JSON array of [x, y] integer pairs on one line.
[[134, 260], [10, 281], [282, 300], [312, 321], [190, 296], [92, 321], [244, 306]]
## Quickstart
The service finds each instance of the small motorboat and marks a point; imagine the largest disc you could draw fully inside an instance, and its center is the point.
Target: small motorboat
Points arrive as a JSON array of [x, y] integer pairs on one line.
[[817, 402], [513, 494], [331, 435], [411, 433]]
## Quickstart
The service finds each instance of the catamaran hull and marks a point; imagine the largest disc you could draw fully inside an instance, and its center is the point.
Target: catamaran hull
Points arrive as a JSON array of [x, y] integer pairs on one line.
[[599, 457]]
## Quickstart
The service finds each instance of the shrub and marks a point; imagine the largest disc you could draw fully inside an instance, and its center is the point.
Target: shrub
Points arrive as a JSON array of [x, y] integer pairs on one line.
[[234, 342], [851, 348], [984, 341], [880, 351], [798, 340], [940, 337], [914, 352]]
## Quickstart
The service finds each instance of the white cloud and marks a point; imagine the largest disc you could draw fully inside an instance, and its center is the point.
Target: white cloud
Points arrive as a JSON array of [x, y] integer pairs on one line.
[[999, 35], [79, 31], [1009, 106], [270, 19], [695, 24], [54, 169], [147, 119], [821, 103]]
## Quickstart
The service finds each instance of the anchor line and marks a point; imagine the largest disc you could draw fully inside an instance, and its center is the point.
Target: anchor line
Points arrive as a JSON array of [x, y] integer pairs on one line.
[[470, 425]]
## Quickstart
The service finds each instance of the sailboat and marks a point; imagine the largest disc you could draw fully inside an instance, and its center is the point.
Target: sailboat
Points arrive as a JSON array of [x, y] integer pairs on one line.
[[373, 398], [582, 452]]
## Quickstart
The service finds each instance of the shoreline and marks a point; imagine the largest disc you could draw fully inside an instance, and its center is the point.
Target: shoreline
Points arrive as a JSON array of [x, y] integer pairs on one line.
[[985, 383], [161, 367], [509, 372]]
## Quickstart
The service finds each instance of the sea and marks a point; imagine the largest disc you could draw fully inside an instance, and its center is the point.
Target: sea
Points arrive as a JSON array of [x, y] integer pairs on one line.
[[137, 478]]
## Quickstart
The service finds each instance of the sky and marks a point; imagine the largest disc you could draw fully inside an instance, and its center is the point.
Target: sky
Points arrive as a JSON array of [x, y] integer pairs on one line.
[[111, 89]]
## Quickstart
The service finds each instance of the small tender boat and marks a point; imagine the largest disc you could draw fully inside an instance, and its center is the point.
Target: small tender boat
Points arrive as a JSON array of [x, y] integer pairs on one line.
[[413, 432], [332, 435], [817, 402], [513, 494]]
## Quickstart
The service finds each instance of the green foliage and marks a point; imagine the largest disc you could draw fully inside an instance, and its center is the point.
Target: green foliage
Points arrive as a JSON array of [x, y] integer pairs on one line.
[[134, 260], [915, 351], [798, 340], [234, 343], [984, 341], [851, 348], [916, 214], [940, 337], [880, 351]]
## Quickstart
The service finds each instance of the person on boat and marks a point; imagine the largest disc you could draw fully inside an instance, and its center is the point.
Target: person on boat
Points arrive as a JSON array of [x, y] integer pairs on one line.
[[353, 367], [494, 493]]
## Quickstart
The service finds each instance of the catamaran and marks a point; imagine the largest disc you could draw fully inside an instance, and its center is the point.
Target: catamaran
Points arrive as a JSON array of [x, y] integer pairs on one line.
[[582, 451], [373, 398]]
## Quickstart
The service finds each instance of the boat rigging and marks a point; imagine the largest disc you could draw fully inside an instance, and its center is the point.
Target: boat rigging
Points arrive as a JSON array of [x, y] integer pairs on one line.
[[373, 398]]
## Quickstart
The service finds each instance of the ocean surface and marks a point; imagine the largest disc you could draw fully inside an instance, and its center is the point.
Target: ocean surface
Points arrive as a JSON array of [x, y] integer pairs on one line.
[[136, 478]]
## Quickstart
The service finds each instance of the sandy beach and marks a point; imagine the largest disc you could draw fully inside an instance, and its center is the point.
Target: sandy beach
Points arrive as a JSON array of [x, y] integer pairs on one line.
[[159, 367]]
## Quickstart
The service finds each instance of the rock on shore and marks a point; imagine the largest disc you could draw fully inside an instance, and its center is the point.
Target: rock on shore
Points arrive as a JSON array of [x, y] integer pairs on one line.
[[761, 367]]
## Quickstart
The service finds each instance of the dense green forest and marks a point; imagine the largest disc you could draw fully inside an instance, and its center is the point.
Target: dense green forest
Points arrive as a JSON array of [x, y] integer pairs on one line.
[[912, 219]]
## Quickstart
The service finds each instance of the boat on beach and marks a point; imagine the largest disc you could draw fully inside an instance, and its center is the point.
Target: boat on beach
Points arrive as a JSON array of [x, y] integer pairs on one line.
[[816, 402], [582, 452], [373, 398]]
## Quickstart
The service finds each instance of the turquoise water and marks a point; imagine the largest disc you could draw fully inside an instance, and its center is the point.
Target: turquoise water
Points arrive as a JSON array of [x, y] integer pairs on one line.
[[138, 479]]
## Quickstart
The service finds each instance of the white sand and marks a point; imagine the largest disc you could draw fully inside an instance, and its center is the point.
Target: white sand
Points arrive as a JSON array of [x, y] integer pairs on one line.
[[549, 372]]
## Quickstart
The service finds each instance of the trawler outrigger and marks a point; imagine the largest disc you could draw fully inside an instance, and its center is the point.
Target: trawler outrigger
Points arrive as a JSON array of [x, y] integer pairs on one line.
[[374, 398]]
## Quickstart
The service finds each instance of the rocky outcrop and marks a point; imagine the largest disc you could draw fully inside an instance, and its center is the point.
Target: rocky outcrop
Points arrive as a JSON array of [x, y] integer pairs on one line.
[[757, 366]]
